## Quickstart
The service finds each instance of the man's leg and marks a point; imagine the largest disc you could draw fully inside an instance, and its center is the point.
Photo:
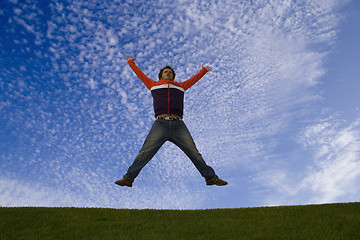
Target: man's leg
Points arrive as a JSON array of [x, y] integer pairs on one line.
[[157, 136], [181, 136]]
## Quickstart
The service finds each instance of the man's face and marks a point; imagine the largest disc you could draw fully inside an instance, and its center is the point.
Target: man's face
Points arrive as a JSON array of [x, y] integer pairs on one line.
[[167, 74]]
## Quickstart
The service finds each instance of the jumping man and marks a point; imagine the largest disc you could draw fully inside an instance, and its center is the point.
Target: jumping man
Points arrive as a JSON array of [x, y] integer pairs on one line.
[[168, 100]]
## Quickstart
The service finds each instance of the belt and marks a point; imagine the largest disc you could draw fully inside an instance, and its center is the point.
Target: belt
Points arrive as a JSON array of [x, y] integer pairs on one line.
[[169, 118]]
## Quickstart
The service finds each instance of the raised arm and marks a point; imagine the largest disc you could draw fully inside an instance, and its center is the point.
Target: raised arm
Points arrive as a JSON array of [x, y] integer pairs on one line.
[[191, 81], [149, 83]]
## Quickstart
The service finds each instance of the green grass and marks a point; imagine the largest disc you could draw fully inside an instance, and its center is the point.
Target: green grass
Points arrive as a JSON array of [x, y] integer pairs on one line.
[[329, 221]]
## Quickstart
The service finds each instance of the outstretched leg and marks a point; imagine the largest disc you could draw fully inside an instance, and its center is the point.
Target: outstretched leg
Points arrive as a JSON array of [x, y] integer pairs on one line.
[[181, 137], [157, 136]]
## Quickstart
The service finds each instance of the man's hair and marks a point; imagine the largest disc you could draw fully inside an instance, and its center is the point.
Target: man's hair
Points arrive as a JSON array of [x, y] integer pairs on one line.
[[161, 71]]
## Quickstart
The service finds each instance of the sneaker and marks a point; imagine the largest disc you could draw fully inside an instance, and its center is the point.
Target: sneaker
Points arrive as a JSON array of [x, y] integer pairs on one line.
[[123, 182], [217, 182]]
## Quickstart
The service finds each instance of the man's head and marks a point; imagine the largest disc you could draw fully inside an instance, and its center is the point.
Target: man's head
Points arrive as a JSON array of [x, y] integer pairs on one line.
[[167, 73]]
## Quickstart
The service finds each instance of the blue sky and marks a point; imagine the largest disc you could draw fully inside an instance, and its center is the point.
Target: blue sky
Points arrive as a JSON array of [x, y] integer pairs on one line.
[[278, 117]]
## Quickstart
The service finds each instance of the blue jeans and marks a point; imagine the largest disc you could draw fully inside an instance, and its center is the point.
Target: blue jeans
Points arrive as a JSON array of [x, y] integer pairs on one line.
[[176, 132]]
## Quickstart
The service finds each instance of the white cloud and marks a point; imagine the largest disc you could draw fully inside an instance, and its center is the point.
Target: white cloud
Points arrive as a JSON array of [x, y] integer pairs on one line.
[[337, 161], [17, 193], [79, 188], [330, 174], [17, 11], [92, 83]]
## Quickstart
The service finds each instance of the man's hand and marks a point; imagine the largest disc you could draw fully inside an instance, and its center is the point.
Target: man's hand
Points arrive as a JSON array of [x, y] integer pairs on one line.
[[128, 58], [208, 68]]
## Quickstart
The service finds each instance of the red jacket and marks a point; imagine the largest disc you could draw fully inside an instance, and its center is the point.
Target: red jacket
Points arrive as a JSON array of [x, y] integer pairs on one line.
[[168, 95]]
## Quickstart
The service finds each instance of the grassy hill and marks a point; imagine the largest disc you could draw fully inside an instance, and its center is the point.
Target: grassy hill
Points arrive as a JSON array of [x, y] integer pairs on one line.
[[328, 221]]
